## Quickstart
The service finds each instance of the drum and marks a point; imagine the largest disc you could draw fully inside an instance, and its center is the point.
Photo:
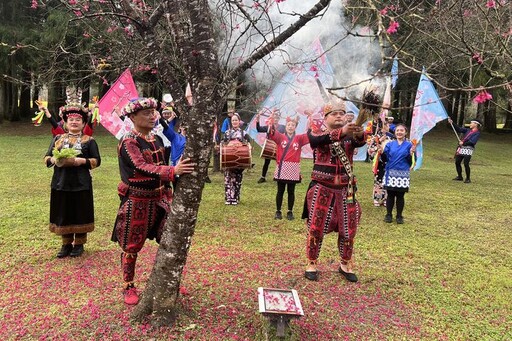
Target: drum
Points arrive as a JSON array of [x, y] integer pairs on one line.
[[269, 150], [235, 156]]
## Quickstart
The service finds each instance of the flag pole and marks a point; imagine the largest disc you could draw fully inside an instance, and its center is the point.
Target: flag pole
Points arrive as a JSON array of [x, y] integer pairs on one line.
[[457, 135]]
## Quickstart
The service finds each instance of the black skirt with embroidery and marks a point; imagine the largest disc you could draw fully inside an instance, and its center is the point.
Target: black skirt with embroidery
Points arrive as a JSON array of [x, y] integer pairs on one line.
[[71, 212]]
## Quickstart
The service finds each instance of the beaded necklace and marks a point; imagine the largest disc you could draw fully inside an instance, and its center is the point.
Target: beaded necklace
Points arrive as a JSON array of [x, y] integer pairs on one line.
[[77, 145], [149, 137]]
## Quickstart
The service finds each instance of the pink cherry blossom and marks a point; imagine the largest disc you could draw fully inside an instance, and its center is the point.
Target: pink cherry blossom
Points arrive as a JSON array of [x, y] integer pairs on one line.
[[490, 4], [482, 97], [393, 27], [478, 58], [34, 4], [384, 11]]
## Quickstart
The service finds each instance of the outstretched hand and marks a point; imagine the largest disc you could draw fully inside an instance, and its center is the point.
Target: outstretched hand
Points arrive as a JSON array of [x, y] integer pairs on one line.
[[184, 166], [352, 129]]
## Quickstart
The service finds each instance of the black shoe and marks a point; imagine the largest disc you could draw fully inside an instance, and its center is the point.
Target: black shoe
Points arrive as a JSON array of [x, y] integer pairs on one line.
[[458, 178], [208, 180], [388, 218], [467, 181], [350, 276], [399, 220], [77, 250], [289, 215], [278, 215], [65, 251], [262, 180], [311, 275]]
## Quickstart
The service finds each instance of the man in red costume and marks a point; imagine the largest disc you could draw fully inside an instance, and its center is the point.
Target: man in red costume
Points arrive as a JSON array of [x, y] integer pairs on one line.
[[144, 190], [330, 203]]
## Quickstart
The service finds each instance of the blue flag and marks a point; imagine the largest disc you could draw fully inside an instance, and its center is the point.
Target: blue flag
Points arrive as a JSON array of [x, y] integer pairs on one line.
[[428, 110], [394, 73]]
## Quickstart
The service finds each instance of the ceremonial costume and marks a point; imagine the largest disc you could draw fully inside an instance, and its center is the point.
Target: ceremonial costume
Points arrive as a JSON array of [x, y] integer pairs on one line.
[[398, 163], [266, 163], [144, 190], [58, 127], [465, 149], [287, 171], [71, 199], [377, 140], [233, 177], [330, 204], [145, 195], [398, 158]]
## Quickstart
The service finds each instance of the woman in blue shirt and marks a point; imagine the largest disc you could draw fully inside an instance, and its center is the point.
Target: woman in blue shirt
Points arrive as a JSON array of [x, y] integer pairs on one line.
[[398, 155]]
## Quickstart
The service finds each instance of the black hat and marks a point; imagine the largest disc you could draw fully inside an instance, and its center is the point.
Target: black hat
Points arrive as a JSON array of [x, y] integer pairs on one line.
[[477, 121]]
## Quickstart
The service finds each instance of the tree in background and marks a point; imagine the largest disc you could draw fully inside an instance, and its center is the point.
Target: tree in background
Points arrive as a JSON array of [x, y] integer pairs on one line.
[[183, 42], [215, 45], [465, 46]]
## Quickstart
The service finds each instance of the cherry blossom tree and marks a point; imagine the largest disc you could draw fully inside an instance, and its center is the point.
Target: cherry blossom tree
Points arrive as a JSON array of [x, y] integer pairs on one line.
[[464, 45], [206, 44]]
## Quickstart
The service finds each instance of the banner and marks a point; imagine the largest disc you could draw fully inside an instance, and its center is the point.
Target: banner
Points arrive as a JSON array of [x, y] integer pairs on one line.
[[301, 89], [111, 104], [428, 110]]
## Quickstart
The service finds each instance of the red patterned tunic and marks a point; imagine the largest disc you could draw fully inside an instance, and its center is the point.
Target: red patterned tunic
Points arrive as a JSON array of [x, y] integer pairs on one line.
[[326, 206], [288, 155], [145, 194]]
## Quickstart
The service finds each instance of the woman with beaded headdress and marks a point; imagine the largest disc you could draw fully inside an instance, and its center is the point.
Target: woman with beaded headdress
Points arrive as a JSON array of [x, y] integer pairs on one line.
[[58, 127], [71, 199], [287, 173]]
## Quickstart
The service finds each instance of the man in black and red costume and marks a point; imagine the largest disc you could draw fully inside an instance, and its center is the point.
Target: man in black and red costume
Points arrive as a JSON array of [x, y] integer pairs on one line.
[[144, 190], [330, 203]]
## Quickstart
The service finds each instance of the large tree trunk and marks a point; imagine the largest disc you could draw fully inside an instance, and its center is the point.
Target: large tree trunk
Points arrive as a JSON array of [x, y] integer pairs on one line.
[[192, 30], [162, 290]]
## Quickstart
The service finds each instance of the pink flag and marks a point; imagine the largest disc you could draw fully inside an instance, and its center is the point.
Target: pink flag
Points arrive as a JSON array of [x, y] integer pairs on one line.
[[111, 104]]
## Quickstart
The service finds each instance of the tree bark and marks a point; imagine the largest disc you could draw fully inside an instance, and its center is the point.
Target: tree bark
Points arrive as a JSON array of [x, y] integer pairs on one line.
[[191, 29]]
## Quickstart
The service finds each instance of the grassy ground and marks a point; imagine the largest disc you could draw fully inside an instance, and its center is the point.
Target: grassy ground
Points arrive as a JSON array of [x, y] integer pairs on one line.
[[445, 274]]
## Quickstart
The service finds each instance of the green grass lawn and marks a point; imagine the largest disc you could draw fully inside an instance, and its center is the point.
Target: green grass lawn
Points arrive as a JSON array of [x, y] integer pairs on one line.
[[444, 274]]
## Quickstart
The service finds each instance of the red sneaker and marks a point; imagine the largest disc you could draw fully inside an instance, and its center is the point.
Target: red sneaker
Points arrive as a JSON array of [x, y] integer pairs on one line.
[[130, 296]]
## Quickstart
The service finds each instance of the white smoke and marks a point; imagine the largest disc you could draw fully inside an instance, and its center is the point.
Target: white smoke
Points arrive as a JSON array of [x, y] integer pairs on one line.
[[355, 59]]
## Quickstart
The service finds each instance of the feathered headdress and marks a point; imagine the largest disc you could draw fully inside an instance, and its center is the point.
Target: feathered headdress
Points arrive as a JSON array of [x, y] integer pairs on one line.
[[73, 106]]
